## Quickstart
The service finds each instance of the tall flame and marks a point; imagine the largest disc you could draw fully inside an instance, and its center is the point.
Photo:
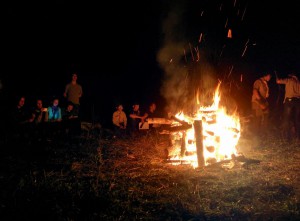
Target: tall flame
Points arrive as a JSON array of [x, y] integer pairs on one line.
[[220, 133]]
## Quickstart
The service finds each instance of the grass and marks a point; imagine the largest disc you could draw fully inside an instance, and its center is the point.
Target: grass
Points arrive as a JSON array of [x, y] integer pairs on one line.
[[97, 178]]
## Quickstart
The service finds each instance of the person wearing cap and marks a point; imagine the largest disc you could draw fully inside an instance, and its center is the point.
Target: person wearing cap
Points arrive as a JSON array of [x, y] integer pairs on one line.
[[73, 93], [291, 106], [260, 104]]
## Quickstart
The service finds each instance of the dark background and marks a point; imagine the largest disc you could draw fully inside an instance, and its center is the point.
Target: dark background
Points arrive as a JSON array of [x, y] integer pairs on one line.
[[115, 47]]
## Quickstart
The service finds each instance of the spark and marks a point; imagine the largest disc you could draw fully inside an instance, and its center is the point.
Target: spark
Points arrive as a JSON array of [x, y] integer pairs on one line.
[[197, 53], [226, 23], [191, 51], [184, 55], [244, 50], [200, 38], [246, 46], [244, 14], [230, 70]]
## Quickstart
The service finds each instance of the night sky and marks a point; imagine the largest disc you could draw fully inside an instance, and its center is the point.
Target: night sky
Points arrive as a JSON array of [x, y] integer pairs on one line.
[[138, 51]]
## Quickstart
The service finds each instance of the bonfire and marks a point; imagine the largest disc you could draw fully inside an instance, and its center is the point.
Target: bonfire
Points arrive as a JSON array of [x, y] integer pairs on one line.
[[211, 135]]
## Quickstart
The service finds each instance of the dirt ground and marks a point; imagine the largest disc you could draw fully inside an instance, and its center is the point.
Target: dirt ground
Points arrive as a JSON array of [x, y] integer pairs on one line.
[[96, 177]]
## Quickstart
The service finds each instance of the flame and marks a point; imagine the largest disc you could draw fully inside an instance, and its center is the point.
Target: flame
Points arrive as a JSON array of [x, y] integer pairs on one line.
[[220, 133]]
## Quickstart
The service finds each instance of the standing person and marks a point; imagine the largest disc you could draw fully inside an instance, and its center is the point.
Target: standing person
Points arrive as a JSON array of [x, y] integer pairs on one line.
[[291, 106], [119, 120], [260, 104], [73, 93]]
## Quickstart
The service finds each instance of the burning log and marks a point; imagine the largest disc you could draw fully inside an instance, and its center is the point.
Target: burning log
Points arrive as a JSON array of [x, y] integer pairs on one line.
[[180, 128], [159, 121], [183, 147], [199, 142], [180, 121]]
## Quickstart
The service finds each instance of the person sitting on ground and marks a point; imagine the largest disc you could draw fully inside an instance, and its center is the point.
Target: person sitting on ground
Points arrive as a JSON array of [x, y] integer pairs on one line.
[[150, 113], [54, 111], [134, 120], [22, 119], [70, 120], [40, 113], [119, 120], [40, 119], [54, 119]]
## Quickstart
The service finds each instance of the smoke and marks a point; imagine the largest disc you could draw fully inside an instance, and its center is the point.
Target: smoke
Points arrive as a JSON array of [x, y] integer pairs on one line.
[[185, 77]]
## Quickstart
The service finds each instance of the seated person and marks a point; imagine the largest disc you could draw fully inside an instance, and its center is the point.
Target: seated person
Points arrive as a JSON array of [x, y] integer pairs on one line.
[[150, 113], [134, 119], [54, 111], [70, 120], [40, 119], [21, 121], [40, 113], [119, 120], [54, 119]]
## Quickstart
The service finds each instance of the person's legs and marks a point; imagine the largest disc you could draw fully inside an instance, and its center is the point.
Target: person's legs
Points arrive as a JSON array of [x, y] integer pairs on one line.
[[296, 106], [286, 130]]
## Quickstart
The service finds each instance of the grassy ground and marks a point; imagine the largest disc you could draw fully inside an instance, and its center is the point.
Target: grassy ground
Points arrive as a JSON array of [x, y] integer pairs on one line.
[[98, 178]]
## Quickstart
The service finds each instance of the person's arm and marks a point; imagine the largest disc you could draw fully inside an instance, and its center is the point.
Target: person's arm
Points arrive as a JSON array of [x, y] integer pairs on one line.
[[281, 81], [256, 86], [50, 114], [59, 115], [46, 115], [144, 117], [66, 90], [115, 119], [135, 116], [256, 94], [125, 120]]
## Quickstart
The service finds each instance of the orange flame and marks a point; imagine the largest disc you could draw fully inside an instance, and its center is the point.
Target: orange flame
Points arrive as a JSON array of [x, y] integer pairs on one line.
[[220, 133]]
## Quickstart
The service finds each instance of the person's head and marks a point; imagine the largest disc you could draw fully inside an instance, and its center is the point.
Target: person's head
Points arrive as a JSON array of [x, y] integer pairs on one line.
[[70, 106], [21, 101], [120, 107], [293, 75], [55, 102], [74, 76], [136, 107], [152, 107], [267, 76], [39, 103]]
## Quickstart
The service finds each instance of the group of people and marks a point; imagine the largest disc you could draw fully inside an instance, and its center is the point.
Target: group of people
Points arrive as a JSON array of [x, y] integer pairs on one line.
[[131, 123], [290, 118], [46, 121]]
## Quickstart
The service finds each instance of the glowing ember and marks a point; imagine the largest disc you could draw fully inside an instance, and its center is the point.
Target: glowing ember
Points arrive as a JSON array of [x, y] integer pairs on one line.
[[219, 135]]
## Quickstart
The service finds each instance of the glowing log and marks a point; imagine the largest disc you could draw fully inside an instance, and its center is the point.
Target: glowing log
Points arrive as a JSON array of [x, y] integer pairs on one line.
[[199, 142]]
